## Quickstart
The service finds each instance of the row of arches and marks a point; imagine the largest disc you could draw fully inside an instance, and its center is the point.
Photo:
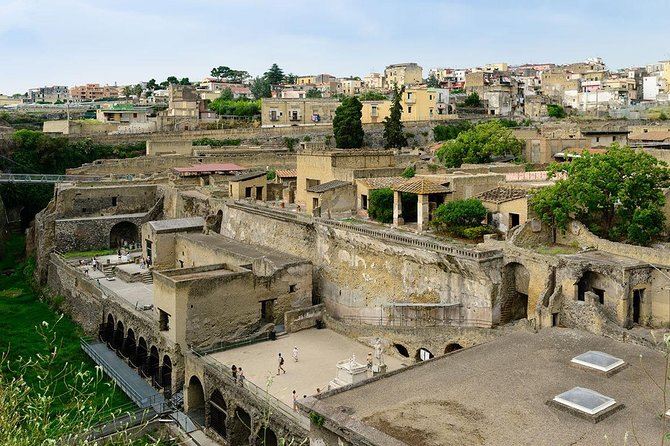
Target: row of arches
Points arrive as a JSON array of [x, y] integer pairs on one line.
[[423, 354], [139, 355], [232, 423]]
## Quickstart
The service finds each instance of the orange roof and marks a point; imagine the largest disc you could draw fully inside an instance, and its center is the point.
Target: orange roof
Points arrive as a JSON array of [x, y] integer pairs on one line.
[[287, 173], [420, 186]]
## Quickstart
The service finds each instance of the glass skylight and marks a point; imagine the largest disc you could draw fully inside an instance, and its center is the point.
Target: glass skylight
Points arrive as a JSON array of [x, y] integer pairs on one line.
[[585, 400], [598, 361]]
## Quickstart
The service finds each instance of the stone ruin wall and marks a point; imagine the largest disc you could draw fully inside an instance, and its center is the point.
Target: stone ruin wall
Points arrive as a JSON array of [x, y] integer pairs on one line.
[[355, 274]]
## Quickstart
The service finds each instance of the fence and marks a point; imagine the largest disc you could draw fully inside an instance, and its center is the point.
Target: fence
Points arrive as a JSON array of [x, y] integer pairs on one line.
[[417, 315], [264, 401]]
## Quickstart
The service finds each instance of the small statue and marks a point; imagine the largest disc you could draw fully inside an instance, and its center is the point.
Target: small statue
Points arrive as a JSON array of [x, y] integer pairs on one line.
[[379, 352]]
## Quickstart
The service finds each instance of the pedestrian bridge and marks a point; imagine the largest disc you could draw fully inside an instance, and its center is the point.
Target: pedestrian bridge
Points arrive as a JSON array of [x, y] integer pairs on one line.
[[44, 178]]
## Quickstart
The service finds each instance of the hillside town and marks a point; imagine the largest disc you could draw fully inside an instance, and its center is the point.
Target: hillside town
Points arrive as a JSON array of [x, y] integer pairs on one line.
[[419, 256]]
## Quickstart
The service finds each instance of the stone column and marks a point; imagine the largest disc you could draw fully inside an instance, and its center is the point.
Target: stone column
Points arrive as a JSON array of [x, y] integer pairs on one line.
[[397, 209], [422, 212]]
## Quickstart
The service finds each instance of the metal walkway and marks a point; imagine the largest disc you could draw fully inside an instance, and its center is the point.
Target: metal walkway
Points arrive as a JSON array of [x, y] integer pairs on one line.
[[44, 178], [125, 377]]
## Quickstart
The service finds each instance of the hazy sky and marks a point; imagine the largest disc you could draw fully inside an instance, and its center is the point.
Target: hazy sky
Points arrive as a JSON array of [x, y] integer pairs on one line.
[[70, 42]]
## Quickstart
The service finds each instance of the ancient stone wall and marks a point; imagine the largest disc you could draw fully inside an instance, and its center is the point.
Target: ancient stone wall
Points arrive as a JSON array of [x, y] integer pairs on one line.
[[355, 274], [296, 320]]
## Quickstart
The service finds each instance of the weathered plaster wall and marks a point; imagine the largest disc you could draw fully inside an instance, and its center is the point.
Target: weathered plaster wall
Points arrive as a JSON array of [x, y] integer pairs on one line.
[[355, 274]]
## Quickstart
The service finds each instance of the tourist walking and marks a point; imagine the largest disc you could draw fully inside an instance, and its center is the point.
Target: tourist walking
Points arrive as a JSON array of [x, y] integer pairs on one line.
[[240, 376], [295, 353], [295, 401], [280, 363], [234, 370]]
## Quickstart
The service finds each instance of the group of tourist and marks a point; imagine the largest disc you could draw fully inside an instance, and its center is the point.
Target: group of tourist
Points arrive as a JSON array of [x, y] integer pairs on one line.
[[145, 262], [238, 374]]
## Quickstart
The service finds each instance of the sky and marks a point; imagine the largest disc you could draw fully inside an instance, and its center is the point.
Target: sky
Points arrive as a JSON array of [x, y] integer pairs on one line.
[[72, 42]]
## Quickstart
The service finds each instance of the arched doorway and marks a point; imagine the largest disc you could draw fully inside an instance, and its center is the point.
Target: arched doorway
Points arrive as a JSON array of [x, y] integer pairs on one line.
[[240, 427], [452, 347], [119, 333], [217, 222], [266, 437], [141, 357], [129, 347], [423, 354], [218, 413], [514, 304], [108, 332], [124, 233], [402, 350], [593, 282], [195, 400], [166, 375], [152, 366]]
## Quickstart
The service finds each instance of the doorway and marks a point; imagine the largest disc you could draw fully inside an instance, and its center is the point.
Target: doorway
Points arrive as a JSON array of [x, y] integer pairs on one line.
[[637, 303], [267, 311]]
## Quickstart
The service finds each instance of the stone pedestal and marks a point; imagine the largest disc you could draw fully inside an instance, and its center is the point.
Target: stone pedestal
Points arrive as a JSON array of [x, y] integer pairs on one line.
[[397, 209], [348, 372], [378, 369], [422, 213]]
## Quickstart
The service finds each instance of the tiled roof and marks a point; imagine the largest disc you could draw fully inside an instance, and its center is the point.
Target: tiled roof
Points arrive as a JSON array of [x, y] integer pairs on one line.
[[420, 186], [650, 136], [328, 186], [248, 176], [381, 182], [288, 173], [502, 194]]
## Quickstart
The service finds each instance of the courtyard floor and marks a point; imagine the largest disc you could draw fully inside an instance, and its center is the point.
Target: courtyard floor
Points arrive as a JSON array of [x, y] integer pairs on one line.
[[319, 352]]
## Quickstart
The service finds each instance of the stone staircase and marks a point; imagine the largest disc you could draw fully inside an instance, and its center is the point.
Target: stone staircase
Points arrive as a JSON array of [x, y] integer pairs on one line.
[[147, 278], [506, 307], [108, 271]]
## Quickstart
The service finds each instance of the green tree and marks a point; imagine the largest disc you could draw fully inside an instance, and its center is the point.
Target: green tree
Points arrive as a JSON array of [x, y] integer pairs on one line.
[[409, 172], [472, 100], [479, 145], [184, 81], [172, 80], [137, 90], [313, 94], [380, 205], [127, 91], [393, 127], [555, 111], [260, 88], [617, 194], [451, 131], [372, 95], [662, 116], [227, 94], [458, 215], [291, 78], [274, 75], [152, 85], [432, 81], [220, 72], [347, 125]]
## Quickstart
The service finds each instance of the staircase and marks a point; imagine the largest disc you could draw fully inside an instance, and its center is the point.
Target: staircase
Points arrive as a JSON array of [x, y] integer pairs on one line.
[[147, 278], [508, 298], [108, 270]]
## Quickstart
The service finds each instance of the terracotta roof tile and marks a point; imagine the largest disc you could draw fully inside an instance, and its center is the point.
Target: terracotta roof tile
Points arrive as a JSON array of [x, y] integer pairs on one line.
[[420, 186]]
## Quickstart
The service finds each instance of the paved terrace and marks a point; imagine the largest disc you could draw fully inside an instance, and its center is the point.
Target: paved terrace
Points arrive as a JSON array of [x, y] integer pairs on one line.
[[135, 293], [319, 352], [495, 394]]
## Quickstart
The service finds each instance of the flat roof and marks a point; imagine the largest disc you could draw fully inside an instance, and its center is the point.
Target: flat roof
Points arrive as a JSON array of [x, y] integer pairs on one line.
[[177, 224], [495, 394], [247, 176], [212, 167], [243, 251]]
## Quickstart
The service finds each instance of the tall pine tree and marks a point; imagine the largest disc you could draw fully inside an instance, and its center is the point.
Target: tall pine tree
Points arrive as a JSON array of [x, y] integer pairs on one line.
[[347, 125], [393, 127]]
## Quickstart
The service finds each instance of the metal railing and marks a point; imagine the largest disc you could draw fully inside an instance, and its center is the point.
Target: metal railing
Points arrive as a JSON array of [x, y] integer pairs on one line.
[[413, 322], [43, 178], [264, 400], [228, 345]]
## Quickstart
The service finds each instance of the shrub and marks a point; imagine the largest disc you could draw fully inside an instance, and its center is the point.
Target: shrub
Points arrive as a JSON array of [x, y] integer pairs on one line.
[[271, 174], [380, 205], [476, 232], [556, 111], [290, 143], [460, 213], [409, 172]]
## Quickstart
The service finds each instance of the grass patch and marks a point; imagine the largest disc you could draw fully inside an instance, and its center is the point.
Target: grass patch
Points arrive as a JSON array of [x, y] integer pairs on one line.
[[20, 339], [14, 252], [552, 250], [92, 253]]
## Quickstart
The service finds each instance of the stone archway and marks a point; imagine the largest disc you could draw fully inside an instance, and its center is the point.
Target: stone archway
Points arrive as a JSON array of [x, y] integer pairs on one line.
[[240, 427], [123, 233], [514, 303], [217, 222], [402, 350], [195, 395], [141, 356], [218, 412], [119, 337], [423, 354], [452, 347], [129, 347], [108, 331], [166, 375], [266, 437], [153, 365]]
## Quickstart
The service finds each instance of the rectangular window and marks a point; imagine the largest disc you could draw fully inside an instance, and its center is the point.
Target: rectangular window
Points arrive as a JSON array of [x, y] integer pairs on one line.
[[113, 201], [373, 111], [247, 192], [291, 288], [364, 201], [163, 320], [409, 109]]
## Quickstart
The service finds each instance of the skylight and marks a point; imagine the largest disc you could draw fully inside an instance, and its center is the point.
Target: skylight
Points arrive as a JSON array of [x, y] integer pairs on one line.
[[598, 361], [585, 400]]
